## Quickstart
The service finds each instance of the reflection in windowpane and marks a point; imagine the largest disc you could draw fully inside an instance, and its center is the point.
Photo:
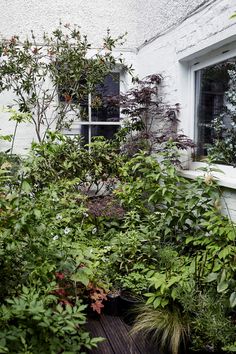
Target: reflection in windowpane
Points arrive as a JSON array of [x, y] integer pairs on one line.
[[103, 109], [108, 131], [211, 85]]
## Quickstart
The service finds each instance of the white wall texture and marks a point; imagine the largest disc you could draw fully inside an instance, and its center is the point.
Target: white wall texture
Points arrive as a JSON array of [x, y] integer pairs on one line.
[[164, 36], [94, 17]]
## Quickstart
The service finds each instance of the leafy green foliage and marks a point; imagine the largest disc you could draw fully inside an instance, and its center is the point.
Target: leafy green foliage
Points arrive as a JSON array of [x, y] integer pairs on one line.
[[88, 221], [33, 323]]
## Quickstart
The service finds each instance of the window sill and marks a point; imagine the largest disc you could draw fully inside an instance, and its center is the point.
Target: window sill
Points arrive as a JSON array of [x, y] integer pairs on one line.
[[226, 178]]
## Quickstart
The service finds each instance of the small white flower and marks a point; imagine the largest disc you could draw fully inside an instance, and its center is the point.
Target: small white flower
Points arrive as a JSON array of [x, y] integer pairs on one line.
[[85, 215], [55, 199], [67, 230], [56, 237], [94, 230], [58, 217]]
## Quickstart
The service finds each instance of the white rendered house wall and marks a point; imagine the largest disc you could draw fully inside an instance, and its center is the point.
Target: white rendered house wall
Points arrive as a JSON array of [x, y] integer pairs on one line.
[[207, 35], [142, 20]]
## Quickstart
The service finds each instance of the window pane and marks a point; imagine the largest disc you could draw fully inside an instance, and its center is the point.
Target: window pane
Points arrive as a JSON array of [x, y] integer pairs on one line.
[[211, 103], [103, 110], [108, 131]]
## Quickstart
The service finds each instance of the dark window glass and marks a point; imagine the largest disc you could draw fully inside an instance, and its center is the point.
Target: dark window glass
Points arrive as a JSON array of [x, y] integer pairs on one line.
[[211, 86], [108, 131], [103, 108]]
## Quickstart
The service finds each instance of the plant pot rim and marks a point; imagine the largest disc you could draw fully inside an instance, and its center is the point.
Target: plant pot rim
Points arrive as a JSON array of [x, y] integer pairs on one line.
[[129, 296]]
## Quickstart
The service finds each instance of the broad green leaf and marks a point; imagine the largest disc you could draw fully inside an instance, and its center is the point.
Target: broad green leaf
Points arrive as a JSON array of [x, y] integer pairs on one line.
[[211, 277], [231, 235], [157, 302], [150, 300], [222, 286], [232, 299], [26, 187], [80, 277], [225, 252], [37, 213]]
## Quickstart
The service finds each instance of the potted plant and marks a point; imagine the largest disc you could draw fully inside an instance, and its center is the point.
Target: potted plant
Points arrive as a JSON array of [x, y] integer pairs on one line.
[[133, 285]]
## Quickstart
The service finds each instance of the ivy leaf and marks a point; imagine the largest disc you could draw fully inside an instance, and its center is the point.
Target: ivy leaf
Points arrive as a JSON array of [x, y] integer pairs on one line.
[[150, 300]]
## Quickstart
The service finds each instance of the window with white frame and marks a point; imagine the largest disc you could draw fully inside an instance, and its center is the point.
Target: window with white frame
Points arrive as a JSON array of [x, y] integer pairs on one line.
[[214, 82], [97, 114]]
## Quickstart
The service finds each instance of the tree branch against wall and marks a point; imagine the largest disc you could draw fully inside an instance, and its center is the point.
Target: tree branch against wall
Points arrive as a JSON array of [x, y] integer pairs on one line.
[[34, 73]]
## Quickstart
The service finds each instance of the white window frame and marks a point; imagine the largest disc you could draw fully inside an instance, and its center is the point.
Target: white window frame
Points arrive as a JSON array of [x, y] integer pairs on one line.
[[228, 176], [90, 123]]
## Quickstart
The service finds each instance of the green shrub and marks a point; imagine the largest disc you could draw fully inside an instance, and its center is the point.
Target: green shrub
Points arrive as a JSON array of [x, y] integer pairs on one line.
[[35, 323]]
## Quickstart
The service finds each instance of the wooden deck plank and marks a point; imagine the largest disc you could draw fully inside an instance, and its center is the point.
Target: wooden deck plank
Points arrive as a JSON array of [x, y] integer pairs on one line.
[[118, 336], [138, 340], [96, 330]]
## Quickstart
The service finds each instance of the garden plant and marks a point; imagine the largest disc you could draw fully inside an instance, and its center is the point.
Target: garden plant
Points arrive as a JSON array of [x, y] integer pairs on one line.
[[79, 221]]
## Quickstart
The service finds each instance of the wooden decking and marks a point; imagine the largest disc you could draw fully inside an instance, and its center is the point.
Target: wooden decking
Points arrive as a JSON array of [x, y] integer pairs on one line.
[[118, 337]]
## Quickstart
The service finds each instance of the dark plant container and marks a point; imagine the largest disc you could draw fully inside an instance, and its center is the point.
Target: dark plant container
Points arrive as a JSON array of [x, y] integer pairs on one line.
[[128, 306], [92, 314], [112, 303]]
